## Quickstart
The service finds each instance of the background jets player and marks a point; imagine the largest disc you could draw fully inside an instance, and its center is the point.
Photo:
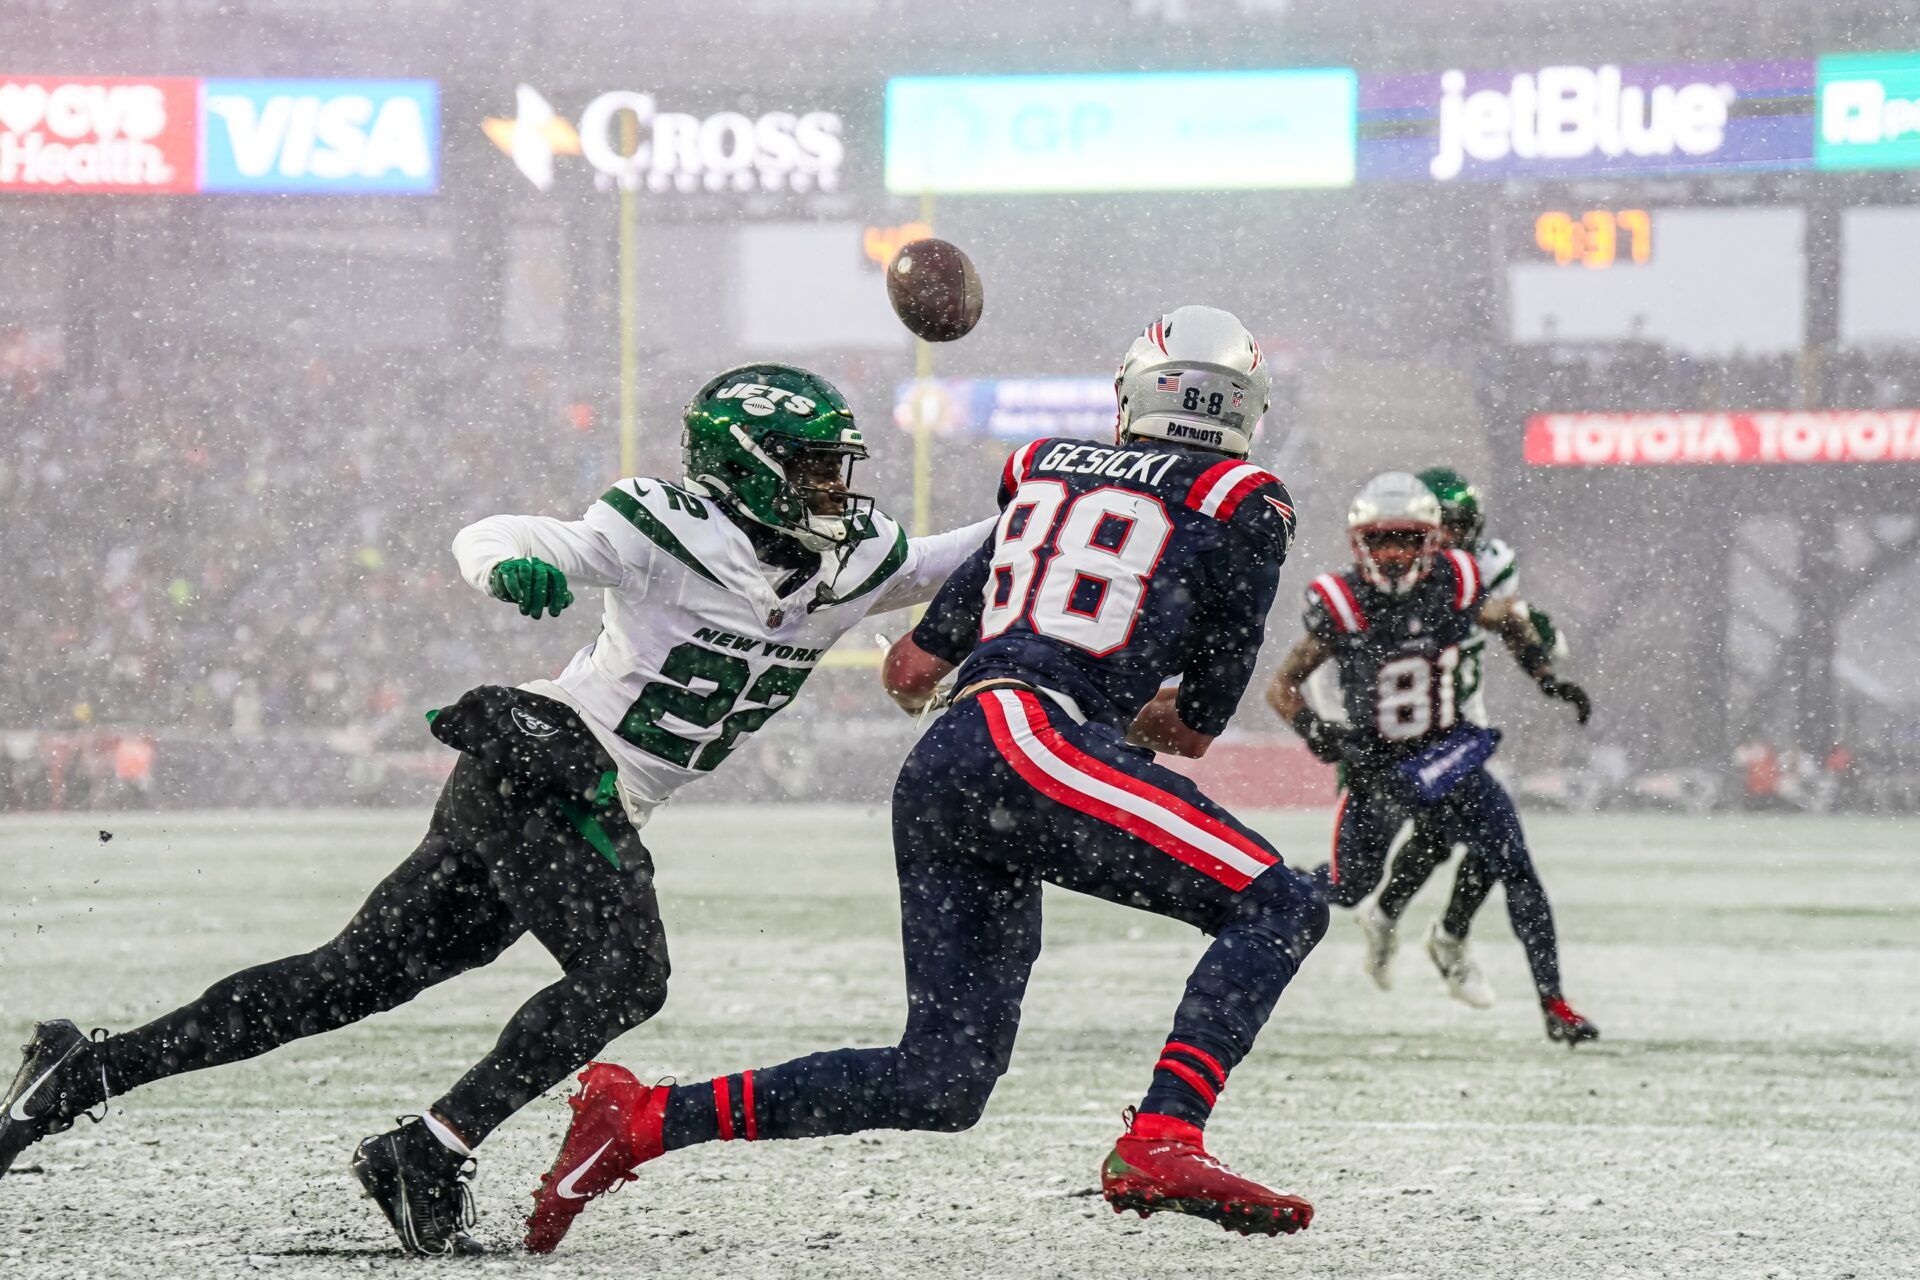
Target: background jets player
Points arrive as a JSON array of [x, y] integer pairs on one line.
[[721, 594], [1463, 526], [1396, 623], [1110, 570]]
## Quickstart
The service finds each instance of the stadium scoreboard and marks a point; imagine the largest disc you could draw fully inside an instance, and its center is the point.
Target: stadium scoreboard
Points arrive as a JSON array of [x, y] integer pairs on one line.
[[1595, 239]]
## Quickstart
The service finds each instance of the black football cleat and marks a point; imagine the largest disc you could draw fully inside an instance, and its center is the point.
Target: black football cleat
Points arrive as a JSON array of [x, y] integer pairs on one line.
[[422, 1186], [60, 1080], [1564, 1025]]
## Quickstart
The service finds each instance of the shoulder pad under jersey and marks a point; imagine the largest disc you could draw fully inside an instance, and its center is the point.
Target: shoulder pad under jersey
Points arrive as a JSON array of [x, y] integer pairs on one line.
[[1499, 566], [1250, 499], [673, 520], [1461, 572], [1333, 607], [874, 559], [1019, 467]]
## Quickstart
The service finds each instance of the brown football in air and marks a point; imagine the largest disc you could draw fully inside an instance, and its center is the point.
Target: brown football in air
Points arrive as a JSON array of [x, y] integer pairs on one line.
[[934, 290]]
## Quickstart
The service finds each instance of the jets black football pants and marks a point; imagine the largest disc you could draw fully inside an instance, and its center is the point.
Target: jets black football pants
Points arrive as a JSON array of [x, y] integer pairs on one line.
[[499, 860]]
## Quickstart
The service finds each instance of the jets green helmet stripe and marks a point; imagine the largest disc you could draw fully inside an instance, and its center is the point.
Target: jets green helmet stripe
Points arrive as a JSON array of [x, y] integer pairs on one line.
[[1460, 509], [746, 427], [658, 534]]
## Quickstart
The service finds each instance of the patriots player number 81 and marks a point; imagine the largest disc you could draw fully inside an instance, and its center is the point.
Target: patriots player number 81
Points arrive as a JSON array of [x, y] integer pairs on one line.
[[1414, 695], [1105, 546]]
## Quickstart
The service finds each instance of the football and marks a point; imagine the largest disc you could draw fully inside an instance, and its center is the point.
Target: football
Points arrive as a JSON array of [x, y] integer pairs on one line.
[[934, 290]]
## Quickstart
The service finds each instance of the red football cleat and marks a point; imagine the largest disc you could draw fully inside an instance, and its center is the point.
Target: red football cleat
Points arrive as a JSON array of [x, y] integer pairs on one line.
[[616, 1128], [1564, 1024], [1159, 1165]]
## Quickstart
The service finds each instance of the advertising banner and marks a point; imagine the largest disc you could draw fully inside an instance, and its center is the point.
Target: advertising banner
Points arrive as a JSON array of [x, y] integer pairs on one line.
[[1586, 121], [1869, 111], [1008, 408], [320, 137], [1721, 439], [183, 135], [679, 148], [99, 135], [1199, 131]]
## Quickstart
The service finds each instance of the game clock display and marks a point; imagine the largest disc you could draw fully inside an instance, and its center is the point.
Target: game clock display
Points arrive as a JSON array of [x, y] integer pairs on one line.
[[1596, 239]]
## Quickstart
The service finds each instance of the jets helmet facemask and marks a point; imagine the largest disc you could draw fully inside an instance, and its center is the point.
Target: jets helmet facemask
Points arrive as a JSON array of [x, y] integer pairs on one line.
[[1194, 377], [776, 445], [1394, 528]]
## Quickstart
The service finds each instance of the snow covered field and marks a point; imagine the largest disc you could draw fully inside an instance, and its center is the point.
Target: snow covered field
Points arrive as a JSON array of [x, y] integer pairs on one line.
[[1754, 1110]]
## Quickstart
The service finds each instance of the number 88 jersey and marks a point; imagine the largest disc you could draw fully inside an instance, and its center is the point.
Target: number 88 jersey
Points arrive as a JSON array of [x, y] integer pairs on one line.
[[1111, 570], [1398, 655]]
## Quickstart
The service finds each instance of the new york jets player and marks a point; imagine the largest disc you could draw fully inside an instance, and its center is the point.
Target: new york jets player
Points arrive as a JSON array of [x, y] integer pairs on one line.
[[721, 594], [1463, 527]]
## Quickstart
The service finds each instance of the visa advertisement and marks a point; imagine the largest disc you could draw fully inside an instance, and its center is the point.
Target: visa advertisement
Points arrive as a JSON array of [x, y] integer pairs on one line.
[[105, 135], [1151, 131], [1869, 111], [1576, 121]]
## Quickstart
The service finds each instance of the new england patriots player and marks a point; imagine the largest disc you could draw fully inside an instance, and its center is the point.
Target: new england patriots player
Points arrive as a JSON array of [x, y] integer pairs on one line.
[[1109, 571], [721, 593], [1396, 625], [1463, 527]]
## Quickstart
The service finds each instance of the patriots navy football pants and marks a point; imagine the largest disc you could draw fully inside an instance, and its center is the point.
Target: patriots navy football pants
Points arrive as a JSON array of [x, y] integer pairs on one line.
[[1477, 813], [1005, 793]]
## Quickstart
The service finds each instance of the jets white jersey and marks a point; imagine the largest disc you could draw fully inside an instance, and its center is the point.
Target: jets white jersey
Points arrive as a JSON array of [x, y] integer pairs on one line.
[[697, 650], [1498, 569]]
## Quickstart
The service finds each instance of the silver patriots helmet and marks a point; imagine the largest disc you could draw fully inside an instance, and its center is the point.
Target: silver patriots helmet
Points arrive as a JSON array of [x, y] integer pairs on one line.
[[1394, 528], [1194, 377]]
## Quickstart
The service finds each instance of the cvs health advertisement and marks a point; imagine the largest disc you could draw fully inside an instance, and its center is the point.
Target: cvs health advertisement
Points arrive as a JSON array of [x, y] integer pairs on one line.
[[110, 135]]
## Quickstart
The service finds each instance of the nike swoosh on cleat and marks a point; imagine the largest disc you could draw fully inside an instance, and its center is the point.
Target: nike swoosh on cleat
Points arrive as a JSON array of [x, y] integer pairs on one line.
[[19, 1109], [565, 1187]]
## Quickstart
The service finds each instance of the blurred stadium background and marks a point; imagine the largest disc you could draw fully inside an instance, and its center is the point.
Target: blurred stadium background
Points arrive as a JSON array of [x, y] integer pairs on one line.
[[293, 289]]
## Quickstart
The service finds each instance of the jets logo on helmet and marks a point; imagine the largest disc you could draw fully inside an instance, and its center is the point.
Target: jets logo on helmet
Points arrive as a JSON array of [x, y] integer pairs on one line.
[[1394, 529], [1194, 377], [777, 445]]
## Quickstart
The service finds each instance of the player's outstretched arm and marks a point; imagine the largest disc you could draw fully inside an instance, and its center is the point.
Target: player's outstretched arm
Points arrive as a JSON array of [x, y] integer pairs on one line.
[[930, 562], [1287, 695], [532, 561], [1513, 620]]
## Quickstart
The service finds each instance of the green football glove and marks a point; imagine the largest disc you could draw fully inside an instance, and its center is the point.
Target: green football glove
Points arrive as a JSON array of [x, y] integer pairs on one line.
[[533, 584]]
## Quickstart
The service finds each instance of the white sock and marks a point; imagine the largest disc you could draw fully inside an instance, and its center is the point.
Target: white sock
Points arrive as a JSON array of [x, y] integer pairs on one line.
[[448, 1138]]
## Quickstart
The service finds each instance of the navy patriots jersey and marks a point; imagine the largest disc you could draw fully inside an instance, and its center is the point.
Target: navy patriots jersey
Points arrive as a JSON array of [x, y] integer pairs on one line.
[[1115, 568], [1397, 654]]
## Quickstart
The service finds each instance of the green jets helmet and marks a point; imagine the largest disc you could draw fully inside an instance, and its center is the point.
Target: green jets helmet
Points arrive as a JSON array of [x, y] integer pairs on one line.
[[1460, 512], [777, 444]]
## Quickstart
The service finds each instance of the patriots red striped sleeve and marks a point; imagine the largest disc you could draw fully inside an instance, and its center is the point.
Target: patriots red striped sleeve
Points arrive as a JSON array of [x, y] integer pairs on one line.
[[1222, 487], [1341, 604], [1062, 772], [1019, 466], [1466, 588]]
